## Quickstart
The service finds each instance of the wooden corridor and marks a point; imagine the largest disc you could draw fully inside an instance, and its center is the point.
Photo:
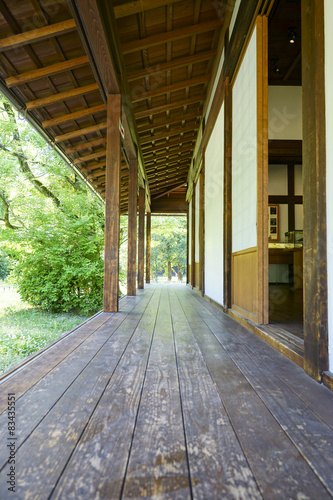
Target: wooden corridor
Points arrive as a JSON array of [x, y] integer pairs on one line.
[[169, 398]]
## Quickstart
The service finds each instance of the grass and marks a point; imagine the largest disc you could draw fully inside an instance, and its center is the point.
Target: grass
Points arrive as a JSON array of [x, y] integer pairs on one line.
[[25, 329]]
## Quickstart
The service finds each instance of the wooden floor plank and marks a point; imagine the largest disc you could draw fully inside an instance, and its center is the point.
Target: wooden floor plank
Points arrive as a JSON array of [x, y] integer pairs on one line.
[[40, 399], [44, 455], [218, 467], [309, 433], [158, 463], [97, 467], [30, 374], [318, 397], [278, 466]]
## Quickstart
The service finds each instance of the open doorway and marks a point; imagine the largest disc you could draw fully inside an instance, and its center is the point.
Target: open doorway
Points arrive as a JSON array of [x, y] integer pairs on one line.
[[285, 184]]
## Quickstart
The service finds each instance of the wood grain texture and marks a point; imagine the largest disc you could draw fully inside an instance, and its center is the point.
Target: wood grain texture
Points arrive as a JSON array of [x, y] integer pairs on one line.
[[158, 462], [293, 474], [262, 170], [112, 205], [30, 76], [245, 291], [217, 464], [37, 35], [79, 132], [107, 438], [132, 226], [62, 96], [314, 189], [141, 239], [227, 193], [148, 247], [73, 116]]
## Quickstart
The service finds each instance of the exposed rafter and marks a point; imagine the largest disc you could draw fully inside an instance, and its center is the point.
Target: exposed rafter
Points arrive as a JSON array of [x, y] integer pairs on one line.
[[73, 116], [30, 76], [172, 88], [62, 96], [15, 41], [170, 36], [168, 107], [82, 131]]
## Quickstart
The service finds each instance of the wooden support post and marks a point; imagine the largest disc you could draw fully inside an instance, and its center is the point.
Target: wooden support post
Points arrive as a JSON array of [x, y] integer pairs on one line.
[[112, 205], [227, 236], [141, 235], [148, 247], [262, 169], [314, 186], [187, 244], [193, 240], [202, 228], [132, 225]]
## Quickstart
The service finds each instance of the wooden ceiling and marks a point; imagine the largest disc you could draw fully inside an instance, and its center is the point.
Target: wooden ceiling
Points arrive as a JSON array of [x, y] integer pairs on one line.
[[167, 48]]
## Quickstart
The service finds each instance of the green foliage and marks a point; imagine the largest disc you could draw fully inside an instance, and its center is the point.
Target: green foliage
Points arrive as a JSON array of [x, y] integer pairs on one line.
[[51, 224], [24, 331], [4, 265], [168, 244]]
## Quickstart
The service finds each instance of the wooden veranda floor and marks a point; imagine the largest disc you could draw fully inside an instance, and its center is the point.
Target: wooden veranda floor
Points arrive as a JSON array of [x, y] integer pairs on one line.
[[168, 398]]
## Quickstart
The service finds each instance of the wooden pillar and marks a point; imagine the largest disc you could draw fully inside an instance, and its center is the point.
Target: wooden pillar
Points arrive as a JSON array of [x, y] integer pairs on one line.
[[227, 232], [148, 247], [187, 244], [202, 229], [132, 225], [193, 239], [141, 236], [112, 205], [314, 187], [262, 169]]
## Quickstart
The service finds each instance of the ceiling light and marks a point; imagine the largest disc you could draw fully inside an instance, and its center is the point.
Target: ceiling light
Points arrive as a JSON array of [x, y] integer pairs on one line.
[[292, 35]]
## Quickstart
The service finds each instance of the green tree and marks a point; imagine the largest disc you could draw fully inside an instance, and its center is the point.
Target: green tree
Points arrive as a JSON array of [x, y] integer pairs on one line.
[[168, 245], [51, 224]]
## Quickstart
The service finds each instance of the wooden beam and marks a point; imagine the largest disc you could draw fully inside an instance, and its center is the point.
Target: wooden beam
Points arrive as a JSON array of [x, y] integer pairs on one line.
[[292, 67], [191, 82], [141, 238], [148, 247], [132, 226], [15, 41], [73, 116], [262, 170], [36, 74], [176, 63], [170, 36], [169, 205], [170, 133], [227, 228], [83, 159], [169, 191], [62, 96], [193, 240], [201, 283], [85, 145], [167, 145], [112, 205], [80, 131], [168, 107], [94, 166], [314, 186], [136, 6], [166, 123]]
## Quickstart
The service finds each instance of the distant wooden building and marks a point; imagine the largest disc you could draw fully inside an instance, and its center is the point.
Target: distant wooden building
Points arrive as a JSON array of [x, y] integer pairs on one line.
[[219, 109]]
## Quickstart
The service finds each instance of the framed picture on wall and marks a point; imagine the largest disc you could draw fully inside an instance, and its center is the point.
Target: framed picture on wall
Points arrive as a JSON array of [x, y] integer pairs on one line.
[[273, 223]]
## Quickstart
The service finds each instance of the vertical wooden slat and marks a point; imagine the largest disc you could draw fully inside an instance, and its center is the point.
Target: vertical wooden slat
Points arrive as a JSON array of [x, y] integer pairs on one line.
[[187, 244], [148, 247], [112, 205], [314, 186], [227, 233], [141, 237], [202, 228], [132, 226], [193, 240], [262, 169]]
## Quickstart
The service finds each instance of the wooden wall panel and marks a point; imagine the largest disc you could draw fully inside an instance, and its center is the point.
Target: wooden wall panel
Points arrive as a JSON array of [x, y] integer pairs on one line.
[[197, 276], [244, 283]]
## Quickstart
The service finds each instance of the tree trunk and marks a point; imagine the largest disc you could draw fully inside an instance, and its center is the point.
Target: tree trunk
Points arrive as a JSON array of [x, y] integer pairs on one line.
[[169, 271], [180, 276]]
